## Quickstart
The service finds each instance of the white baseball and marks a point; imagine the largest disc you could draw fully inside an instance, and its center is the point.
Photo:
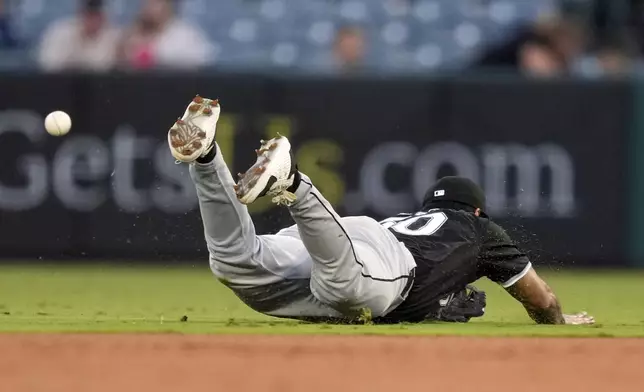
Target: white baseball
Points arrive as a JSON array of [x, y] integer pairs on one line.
[[58, 123]]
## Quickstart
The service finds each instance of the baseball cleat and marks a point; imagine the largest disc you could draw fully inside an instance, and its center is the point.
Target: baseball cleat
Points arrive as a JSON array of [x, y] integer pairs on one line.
[[273, 174], [193, 135]]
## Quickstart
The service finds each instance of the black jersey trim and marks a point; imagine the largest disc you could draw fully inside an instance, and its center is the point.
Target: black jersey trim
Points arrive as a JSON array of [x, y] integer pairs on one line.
[[355, 257]]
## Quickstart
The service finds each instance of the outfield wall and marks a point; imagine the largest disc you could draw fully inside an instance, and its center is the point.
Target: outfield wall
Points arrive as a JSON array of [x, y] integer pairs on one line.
[[555, 158]]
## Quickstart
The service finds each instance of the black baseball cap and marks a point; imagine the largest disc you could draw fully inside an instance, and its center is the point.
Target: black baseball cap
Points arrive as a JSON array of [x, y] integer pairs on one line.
[[455, 189]]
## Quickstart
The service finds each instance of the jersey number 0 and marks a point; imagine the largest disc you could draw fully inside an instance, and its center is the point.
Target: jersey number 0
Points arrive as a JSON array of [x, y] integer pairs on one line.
[[413, 224]]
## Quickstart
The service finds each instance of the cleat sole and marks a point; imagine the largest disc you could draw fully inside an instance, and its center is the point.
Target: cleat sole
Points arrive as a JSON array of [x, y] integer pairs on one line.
[[258, 180], [185, 137]]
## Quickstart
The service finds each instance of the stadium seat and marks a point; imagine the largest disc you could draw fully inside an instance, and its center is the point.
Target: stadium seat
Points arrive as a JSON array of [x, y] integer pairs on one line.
[[12, 59], [32, 17], [402, 35]]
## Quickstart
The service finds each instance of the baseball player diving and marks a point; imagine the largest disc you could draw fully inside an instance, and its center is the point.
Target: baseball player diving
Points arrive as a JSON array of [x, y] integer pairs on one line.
[[408, 268]]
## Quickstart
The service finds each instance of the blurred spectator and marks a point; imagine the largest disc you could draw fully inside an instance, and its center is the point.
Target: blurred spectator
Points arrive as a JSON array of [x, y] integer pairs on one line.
[[7, 38], [613, 61], [614, 55], [349, 49], [85, 42], [159, 39], [548, 48]]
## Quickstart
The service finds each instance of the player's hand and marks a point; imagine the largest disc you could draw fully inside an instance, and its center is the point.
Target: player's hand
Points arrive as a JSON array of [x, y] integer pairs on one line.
[[582, 318]]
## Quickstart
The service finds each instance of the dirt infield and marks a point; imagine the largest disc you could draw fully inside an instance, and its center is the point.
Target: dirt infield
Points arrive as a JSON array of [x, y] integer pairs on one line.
[[160, 363]]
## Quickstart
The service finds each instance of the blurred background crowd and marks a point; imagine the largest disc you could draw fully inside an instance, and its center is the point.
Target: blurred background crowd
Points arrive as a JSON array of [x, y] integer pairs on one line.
[[538, 37]]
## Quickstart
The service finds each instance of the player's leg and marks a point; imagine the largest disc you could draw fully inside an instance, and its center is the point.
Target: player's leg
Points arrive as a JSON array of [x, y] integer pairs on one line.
[[228, 228], [237, 255], [357, 264]]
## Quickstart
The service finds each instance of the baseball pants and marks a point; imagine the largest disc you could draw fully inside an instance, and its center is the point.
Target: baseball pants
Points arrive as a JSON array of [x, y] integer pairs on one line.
[[351, 263]]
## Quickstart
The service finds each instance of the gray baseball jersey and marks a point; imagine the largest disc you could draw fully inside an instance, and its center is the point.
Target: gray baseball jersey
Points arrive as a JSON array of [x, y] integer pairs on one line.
[[324, 266]]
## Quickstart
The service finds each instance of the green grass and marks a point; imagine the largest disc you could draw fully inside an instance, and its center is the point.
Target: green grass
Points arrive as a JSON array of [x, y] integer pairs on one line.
[[106, 298]]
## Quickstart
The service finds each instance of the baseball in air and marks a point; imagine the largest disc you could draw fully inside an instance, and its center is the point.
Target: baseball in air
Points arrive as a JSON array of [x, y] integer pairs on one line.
[[58, 123]]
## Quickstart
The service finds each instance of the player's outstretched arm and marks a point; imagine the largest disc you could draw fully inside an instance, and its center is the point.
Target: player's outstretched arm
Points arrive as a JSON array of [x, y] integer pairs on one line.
[[541, 303], [501, 261], [538, 299]]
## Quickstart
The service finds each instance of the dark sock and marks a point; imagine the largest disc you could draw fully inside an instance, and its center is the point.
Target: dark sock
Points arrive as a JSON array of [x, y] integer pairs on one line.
[[297, 177], [208, 157]]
